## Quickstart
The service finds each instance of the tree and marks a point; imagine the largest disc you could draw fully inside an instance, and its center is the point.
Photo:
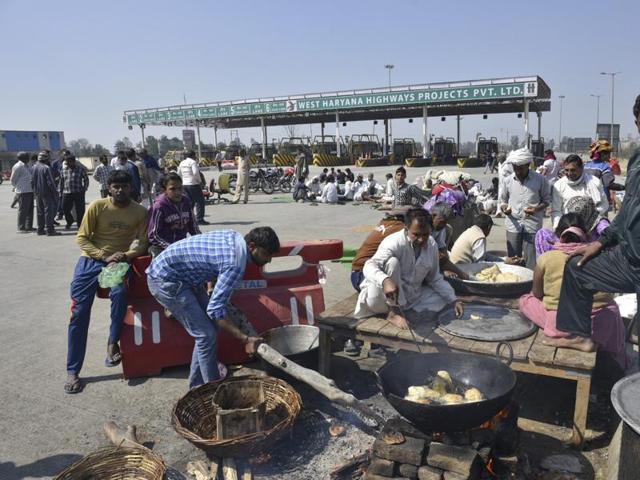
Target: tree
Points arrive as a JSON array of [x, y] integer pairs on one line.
[[80, 147], [123, 144], [222, 146], [291, 130], [515, 142], [100, 150], [152, 146]]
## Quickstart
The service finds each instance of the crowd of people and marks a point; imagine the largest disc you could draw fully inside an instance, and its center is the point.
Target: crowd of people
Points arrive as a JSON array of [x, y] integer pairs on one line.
[[399, 269]]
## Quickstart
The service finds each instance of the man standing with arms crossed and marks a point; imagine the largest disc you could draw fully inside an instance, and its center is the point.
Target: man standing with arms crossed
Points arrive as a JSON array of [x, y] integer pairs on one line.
[[46, 192]]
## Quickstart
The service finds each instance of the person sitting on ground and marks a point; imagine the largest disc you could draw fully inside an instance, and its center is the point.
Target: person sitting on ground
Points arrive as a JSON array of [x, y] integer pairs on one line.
[[404, 276], [471, 245], [388, 191], [322, 179], [541, 305], [301, 191], [314, 188], [171, 216], [405, 194], [330, 191], [349, 174], [371, 185], [487, 201], [106, 236], [360, 189]]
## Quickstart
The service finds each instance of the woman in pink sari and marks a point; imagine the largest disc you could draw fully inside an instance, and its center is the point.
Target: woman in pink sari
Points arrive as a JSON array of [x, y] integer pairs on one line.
[[540, 306]]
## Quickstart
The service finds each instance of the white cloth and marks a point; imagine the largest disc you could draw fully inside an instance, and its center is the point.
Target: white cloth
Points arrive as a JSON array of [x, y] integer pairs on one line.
[[21, 178], [314, 187], [421, 286], [329, 193], [586, 186], [389, 189], [349, 189], [522, 156], [189, 171], [549, 169], [360, 190]]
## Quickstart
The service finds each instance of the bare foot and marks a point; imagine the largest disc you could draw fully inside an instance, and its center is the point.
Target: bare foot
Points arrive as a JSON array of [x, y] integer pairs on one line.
[[398, 320], [584, 344]]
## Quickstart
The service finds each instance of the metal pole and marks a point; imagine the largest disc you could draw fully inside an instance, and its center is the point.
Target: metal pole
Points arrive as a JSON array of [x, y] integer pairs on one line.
[[458, 134], [337, 134], [386, 136], [142, 130], [539, 126], [322, 132], [215, 136], [527, 140], [264, 139], [389, 67], [613, 76], [561, 97], [198, 135], [426, 148]]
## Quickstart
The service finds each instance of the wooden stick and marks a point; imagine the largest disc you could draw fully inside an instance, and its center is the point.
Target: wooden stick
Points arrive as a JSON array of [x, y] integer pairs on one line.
[[119, 436], [322, 384], [215, 466], [200, 470], [247, 474], [229, 469], [352, 462]]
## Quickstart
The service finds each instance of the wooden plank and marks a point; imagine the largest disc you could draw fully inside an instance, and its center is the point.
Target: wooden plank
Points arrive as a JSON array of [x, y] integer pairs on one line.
[[522, 347], [371, 325], [484, 348], [541, 353], [336, 321], [459, 343], [389, 330], [439, 336], [566, 357], [580, 411]]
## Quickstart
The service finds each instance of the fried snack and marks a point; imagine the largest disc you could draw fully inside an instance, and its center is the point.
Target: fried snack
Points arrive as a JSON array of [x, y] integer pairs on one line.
[[473, 316], [493, 274], [473, 395], [452, 398], [440, 385], [445, 376], [417, 391]]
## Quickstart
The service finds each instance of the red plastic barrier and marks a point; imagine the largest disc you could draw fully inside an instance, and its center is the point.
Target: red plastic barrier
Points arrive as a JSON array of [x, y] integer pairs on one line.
[[151, 342]]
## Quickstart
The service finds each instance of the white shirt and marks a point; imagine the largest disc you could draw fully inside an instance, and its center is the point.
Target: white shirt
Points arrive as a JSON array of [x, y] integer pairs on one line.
[[329, 193], [550, 169], [21, 177], [414, 271], [586, 186], [389, 190], [314, 187], [189, 171]]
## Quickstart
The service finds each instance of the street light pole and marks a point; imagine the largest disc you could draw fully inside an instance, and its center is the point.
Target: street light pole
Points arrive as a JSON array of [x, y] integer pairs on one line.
[[597, 97], [613, 81], [389, 67], [561, 97]]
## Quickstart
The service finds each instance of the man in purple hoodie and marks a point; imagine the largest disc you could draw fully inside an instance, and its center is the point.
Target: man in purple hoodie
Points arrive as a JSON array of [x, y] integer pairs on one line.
[[171, 217]]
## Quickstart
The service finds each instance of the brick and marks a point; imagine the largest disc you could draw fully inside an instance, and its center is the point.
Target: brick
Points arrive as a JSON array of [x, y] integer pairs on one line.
[[461, 460], [429, 473], [408, 471], [381, 466], [411, 451]]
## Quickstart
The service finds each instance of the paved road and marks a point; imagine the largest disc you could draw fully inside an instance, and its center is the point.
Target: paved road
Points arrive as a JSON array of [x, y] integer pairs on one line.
[[42, 428]]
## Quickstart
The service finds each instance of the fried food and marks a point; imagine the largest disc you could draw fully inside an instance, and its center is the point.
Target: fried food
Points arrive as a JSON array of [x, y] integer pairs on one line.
[[445, 376], [393, 437], [451, 398], [493, 274], [423, 392], [440, 385], [473, 395], [473, 316]]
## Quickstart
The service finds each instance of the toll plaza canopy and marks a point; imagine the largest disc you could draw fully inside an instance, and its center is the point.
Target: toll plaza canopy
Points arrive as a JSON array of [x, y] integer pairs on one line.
[[499, 95]]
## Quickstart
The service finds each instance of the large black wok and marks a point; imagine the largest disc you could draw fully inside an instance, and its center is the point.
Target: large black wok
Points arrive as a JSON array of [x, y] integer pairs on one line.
[[494, 379]]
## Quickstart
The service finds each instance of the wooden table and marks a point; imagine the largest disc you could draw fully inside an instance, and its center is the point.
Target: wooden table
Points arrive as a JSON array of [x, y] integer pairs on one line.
[[530, 355]]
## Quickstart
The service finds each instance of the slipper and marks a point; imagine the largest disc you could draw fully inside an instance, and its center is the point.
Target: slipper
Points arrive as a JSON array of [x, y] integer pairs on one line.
[[113, 360], [73, 387]]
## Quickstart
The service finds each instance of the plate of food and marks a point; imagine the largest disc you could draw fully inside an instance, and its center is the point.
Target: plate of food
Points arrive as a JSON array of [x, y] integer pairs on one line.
[[493, 279]]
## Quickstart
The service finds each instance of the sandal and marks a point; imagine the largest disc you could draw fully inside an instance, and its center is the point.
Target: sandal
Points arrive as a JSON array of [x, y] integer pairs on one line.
[[114, 359], [75, 386]]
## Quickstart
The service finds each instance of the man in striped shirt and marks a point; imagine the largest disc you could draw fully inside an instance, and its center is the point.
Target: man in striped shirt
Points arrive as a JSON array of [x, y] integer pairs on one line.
[[177, 278], [101, 174]]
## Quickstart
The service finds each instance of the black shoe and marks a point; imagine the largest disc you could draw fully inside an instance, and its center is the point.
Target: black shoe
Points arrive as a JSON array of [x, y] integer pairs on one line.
[[41, 232], [56, 223], [53, 234], [67, 226], [203, 222], [29, 230]]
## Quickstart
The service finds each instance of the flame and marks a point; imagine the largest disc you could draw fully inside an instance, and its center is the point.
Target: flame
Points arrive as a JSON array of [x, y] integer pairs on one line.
[[489, 467], [493, 422]]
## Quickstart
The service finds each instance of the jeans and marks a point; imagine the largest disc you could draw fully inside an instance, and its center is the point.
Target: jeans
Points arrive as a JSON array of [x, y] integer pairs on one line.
[[70, 200], [83, 290], [608, 272], [25, 211], [356, 279], [522, 244], [46, 211], [194, 192], [189, 305]]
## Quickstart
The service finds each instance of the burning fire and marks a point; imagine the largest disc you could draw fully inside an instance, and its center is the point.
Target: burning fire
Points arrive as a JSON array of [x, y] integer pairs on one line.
[[495, 421], [489, 467]]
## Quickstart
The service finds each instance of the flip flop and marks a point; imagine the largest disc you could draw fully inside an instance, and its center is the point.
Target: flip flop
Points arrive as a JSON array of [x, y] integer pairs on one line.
[[113, 360], [73, 387]]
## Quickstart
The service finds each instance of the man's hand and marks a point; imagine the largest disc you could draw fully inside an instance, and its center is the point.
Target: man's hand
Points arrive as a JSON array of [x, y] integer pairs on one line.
[[390, 291], [397, 319], [588, 252], [514, 261], [459, 308], [251, 344], [506, 209], [449, 274], [530, 210], [116, 257]]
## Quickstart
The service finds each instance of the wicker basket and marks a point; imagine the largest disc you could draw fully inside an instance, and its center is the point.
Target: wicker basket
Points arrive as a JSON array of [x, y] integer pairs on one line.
[[194, 418], [117, 463]]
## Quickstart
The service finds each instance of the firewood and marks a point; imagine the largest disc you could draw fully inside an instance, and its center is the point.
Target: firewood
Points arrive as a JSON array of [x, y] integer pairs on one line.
[[215, 466], [320, 383], [229, 469], [199, 470], [350, 463], [121, 437]]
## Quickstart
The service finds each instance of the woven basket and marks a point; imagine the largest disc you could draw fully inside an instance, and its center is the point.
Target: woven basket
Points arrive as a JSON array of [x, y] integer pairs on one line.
[[194, 418], [117, 463]]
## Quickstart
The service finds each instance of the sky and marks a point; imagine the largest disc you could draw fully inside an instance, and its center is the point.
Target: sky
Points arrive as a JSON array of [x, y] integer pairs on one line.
[[76, 66]]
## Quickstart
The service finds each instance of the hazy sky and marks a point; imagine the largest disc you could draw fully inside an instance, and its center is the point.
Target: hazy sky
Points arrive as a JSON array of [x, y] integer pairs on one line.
[[77, 65]]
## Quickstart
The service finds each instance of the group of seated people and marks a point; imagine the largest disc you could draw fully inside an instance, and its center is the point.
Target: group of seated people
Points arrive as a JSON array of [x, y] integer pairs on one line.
[[327, 188]]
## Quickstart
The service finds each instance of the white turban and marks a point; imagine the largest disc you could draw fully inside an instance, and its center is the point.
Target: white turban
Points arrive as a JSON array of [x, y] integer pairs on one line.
[[522, 156]]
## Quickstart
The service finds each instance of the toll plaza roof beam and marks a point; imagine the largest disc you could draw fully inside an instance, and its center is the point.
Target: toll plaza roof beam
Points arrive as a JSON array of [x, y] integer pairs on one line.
[[454, 98]]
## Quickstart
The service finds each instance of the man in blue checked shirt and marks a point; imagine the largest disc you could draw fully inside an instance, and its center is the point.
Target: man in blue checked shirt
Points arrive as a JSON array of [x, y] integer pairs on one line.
[[177, 279]]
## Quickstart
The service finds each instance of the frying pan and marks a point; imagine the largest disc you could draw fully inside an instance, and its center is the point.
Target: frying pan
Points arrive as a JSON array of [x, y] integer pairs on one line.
[[500, 289], [493, 378]]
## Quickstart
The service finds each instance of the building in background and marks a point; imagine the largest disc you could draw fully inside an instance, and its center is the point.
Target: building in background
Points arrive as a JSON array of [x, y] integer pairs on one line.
[[14, 141]]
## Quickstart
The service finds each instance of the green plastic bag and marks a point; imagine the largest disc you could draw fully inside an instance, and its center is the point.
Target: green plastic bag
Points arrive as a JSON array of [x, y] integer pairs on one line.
[[113, 274]]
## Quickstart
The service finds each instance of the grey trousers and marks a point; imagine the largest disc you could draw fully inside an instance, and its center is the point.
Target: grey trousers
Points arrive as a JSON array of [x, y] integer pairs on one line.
[[46, 207], [25, 211], [522, 244]]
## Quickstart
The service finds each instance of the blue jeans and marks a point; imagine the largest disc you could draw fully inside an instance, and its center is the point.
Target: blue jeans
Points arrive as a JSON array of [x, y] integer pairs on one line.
[[189, 305], [356, 279], [83, 290]]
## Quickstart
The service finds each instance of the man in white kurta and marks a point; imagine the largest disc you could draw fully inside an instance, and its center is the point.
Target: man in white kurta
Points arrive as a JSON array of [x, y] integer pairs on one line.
[[404, 275]]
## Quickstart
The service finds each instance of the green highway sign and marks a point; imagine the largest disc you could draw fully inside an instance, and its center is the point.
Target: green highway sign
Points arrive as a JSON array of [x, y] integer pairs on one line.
[[342, 102]]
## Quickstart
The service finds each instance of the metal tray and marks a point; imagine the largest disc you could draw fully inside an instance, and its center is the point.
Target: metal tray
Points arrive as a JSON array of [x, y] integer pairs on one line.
[[488, 289], [497, 324], [625, 396]]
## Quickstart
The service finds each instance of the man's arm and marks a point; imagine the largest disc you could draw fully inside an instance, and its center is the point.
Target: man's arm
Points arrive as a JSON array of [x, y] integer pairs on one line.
[[85, 179], [374, 267], [155, 219], [85, 233], [226, 282], [556, 205], [601, 200], [140, 246], [195, 170]]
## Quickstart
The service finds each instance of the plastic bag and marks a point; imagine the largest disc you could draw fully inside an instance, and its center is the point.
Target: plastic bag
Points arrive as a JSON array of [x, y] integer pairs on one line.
[[113, 274]]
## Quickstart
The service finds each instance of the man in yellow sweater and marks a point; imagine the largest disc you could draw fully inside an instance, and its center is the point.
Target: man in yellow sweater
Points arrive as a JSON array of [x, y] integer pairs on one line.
[[106, 235]]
